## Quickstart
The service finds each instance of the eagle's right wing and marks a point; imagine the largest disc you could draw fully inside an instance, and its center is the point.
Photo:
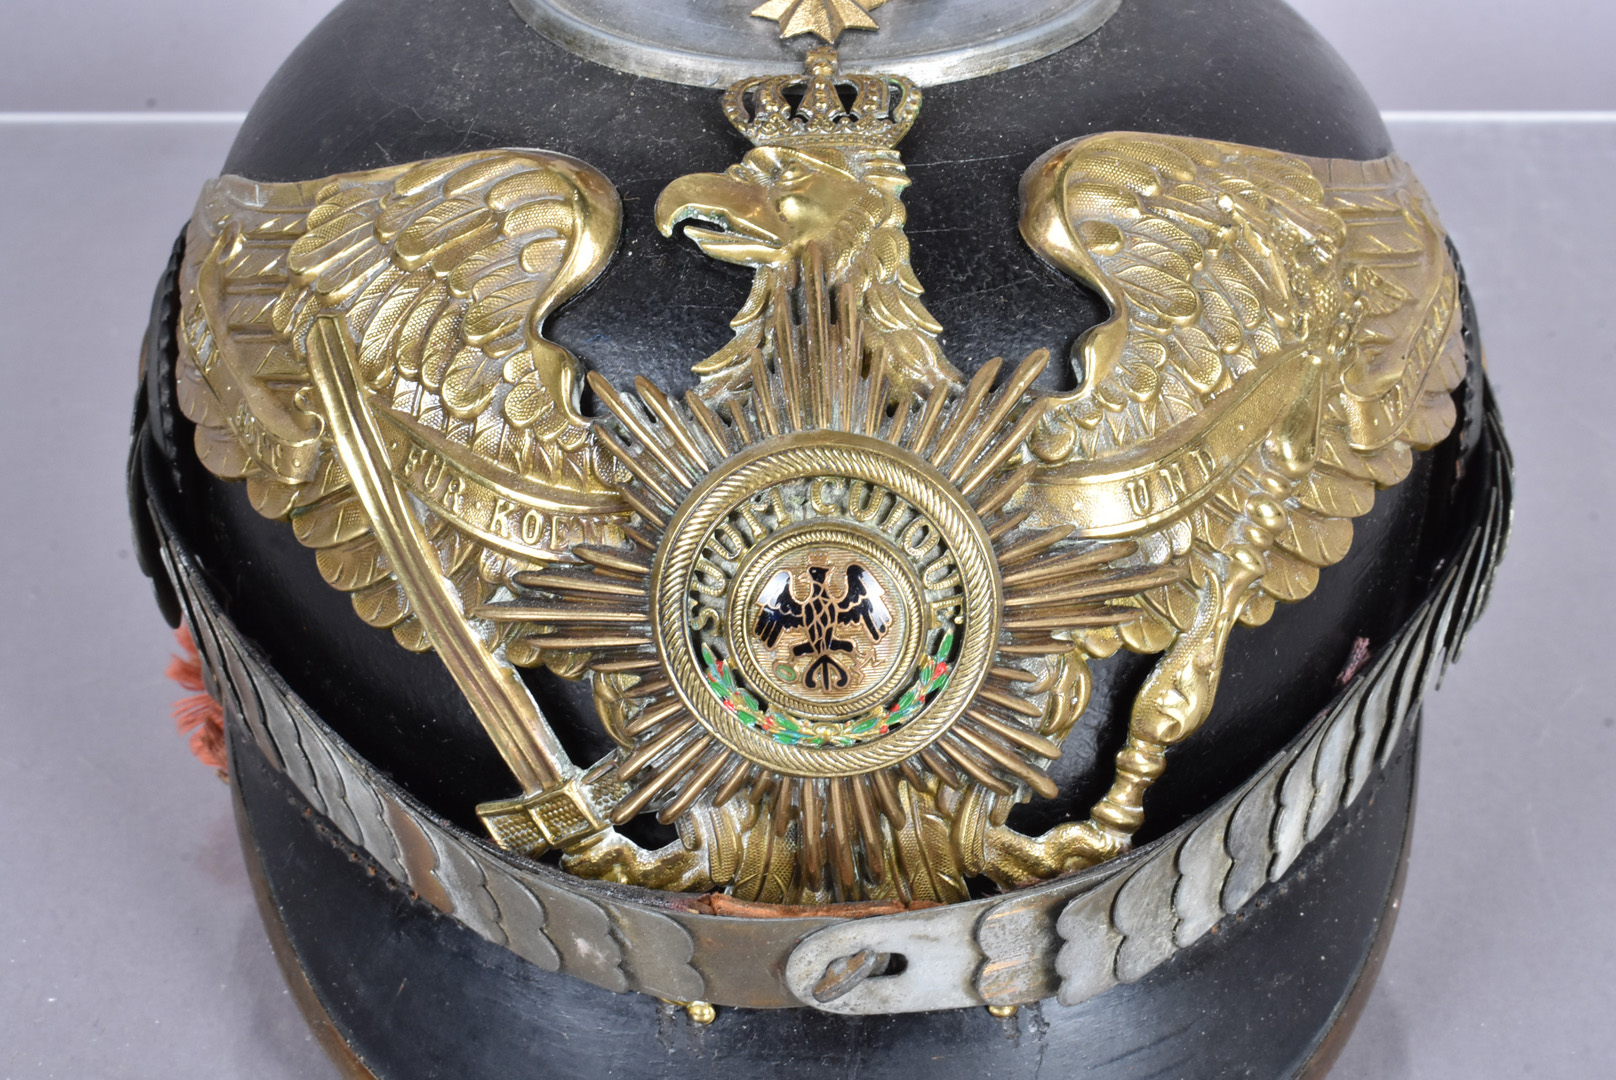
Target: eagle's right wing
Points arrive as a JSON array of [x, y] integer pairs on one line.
[[440, 275], [778, 610]]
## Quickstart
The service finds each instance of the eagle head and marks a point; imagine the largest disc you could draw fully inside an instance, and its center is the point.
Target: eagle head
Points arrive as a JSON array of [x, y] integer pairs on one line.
[[845, 202], [768, 209]]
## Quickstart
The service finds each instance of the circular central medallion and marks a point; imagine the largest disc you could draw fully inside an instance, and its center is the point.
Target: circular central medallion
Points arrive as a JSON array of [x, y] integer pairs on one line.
[[827, 605], [825, 620]]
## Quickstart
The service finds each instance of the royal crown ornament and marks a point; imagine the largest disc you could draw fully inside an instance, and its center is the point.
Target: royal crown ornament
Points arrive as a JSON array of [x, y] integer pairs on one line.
[[786, 656], [807, 110]]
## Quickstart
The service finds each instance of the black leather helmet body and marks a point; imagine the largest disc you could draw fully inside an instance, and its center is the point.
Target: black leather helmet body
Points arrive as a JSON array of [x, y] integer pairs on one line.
[[1243, 924]]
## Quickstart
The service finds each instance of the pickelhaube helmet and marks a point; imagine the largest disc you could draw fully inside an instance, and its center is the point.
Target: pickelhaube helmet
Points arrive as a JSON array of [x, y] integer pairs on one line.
[[658, 635]]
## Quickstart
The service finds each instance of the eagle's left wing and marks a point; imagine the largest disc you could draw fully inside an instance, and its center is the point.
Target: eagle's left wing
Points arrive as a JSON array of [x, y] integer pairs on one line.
[[1268, 312], [1285, 333], [865, 602]]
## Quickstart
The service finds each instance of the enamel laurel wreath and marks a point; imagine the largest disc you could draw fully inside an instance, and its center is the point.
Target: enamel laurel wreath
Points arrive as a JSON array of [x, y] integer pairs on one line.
[[837, 604]]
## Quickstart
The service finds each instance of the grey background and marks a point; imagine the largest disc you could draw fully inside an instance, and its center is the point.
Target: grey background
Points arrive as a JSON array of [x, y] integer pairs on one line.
[[216, 54], [129, 944]]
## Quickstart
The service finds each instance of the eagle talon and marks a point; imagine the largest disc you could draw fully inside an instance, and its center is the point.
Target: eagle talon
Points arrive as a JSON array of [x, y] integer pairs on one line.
[[1014, 859]]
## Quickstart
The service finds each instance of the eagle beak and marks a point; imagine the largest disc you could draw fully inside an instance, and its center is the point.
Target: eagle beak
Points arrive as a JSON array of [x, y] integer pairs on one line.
[[749, 230]]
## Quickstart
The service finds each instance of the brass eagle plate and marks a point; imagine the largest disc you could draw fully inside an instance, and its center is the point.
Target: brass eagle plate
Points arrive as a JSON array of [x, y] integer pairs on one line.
[[838, 604]]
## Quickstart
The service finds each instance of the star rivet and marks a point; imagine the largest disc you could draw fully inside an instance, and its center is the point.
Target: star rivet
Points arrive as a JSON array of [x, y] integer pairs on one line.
[[827, 18]]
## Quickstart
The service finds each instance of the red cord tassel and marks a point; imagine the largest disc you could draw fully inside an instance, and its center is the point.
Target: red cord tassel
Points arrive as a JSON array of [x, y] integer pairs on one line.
[[198, 715]]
